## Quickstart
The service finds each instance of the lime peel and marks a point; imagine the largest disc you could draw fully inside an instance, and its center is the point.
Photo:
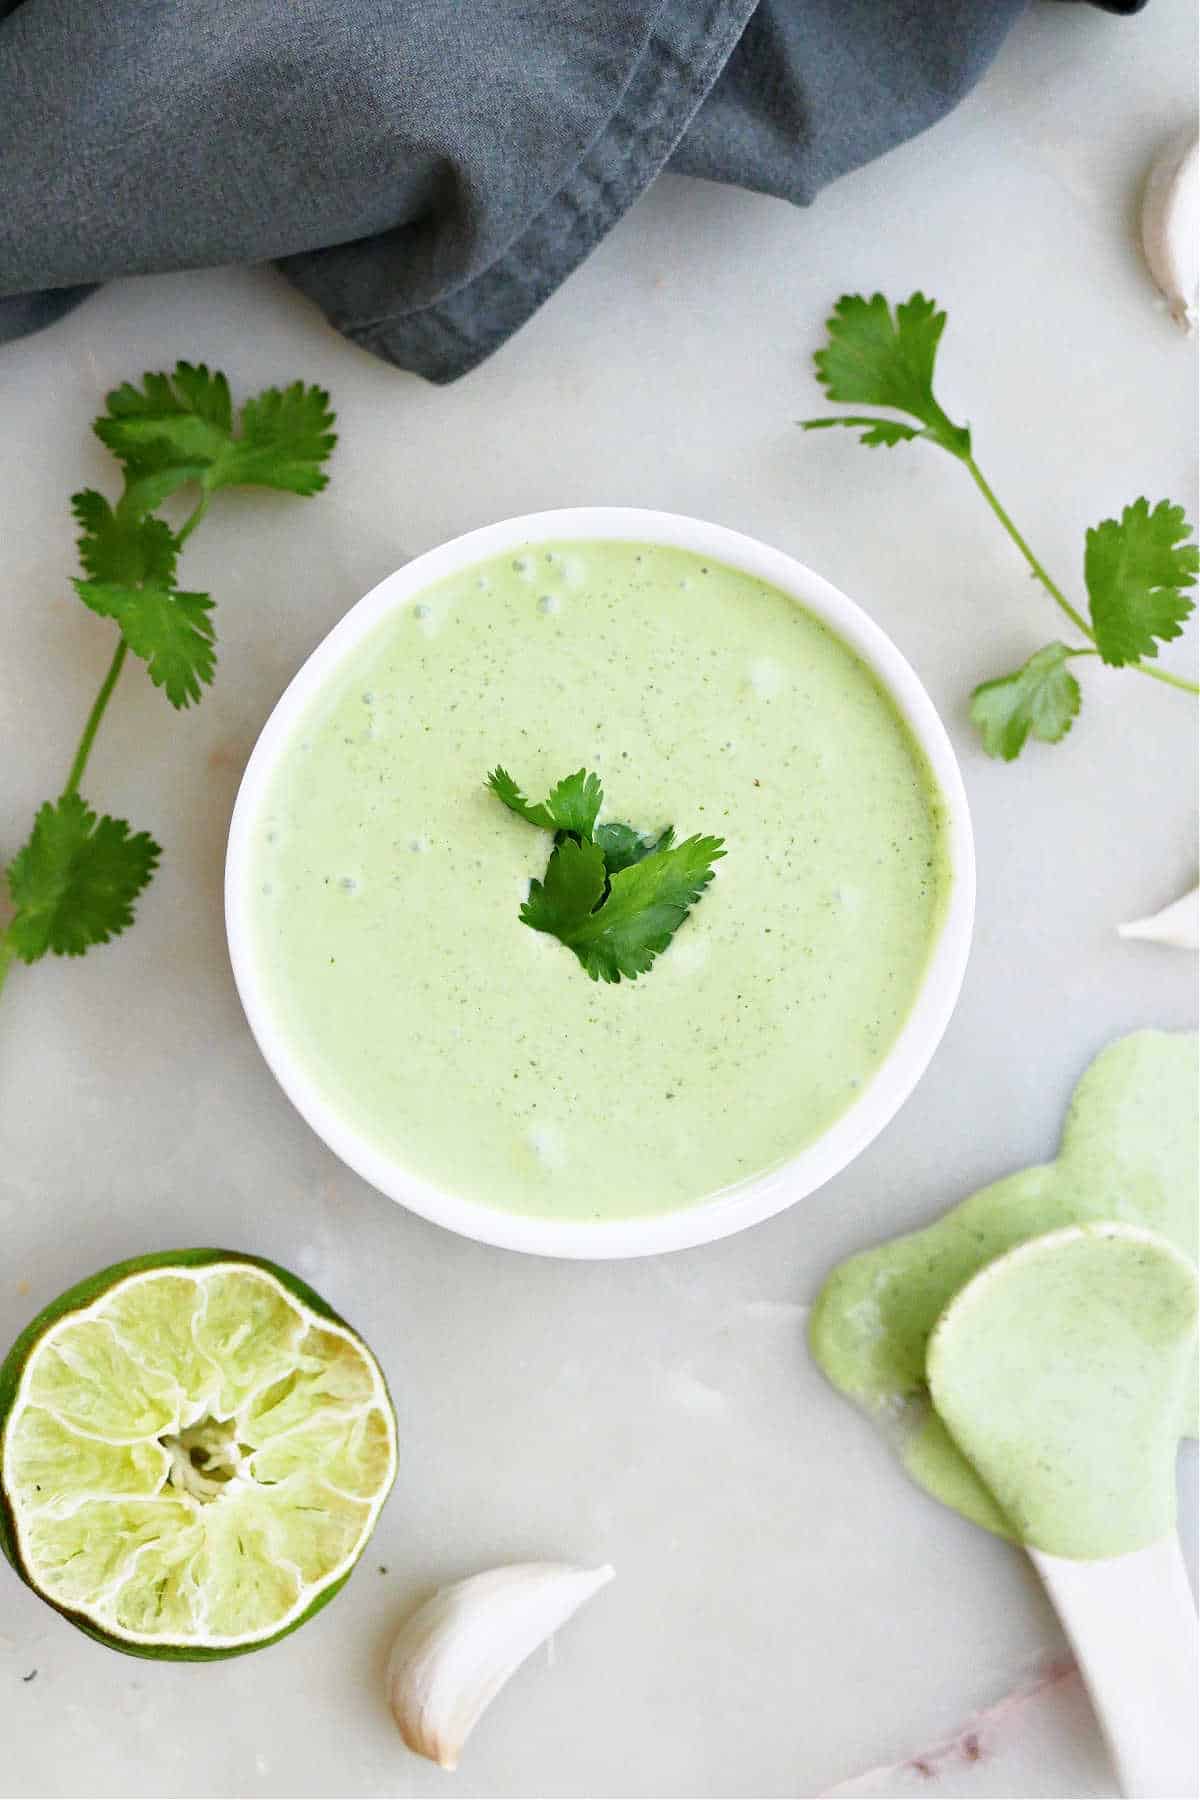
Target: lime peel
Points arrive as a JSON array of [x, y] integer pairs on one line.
[[194, 1449]]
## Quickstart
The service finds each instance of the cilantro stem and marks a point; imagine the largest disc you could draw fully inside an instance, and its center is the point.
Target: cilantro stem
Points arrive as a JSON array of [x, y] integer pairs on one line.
[[1175, 681], [77, 767], [1055, 592], [93, 719], [193, 519]]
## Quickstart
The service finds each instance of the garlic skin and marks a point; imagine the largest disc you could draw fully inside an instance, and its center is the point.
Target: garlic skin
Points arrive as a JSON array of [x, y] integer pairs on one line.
[[1177, 924], [1171, 225], [454, 1654]]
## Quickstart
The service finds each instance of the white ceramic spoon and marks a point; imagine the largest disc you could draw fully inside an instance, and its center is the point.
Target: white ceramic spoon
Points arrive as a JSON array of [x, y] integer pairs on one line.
[[1132, 1625], [1060, 1370]]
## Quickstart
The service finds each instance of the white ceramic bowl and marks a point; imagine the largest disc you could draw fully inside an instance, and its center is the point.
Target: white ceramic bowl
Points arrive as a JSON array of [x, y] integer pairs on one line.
[[749, 1201]]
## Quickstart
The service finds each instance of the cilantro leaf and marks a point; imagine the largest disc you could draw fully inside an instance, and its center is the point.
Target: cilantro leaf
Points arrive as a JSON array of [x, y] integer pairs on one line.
[[285, 438], [115, 546], [75, 881], [1136, 569], [647, 904], [573, 886], [505, 788], [165, 433], [571, 805], [170, 629], [130, 562], [887, 359], [879, 431], [203, 393], [1041, 697], [574, 802], [623, 846], [179, 428]]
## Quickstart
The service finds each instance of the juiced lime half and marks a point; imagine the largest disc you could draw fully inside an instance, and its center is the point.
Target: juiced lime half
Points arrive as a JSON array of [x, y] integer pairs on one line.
[[193, 1452]]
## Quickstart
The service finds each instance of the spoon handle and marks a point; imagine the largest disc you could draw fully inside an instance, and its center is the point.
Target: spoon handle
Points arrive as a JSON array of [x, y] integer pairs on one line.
[[1132, 1625]]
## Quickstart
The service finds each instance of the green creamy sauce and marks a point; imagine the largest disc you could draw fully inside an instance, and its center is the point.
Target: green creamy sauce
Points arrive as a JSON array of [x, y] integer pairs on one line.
[[1059, 1372], [475, 1051], [1129, 1153]]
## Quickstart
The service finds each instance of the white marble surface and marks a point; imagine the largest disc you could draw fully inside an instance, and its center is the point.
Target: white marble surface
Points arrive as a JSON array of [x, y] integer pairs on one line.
[[787, 1610]]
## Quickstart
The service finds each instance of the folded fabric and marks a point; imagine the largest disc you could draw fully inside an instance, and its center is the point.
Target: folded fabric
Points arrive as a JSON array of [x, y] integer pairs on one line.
[[429, 171]]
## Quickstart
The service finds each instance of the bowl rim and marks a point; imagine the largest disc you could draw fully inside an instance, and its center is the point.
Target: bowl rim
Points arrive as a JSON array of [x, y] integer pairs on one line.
[[759, 1197]]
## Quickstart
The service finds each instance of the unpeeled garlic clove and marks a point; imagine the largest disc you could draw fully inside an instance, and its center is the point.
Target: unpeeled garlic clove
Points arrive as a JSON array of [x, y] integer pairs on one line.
[[454, 1654], [1177, 924], [1171, 225]]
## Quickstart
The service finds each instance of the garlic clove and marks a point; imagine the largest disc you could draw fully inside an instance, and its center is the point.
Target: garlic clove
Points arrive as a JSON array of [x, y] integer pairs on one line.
[[454, 1654], [1171, 225], [1177, 924]]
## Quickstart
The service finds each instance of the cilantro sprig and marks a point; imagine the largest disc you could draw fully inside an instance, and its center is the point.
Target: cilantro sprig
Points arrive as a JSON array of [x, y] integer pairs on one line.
[[1136, 569], [613, 895], [75, 881]]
